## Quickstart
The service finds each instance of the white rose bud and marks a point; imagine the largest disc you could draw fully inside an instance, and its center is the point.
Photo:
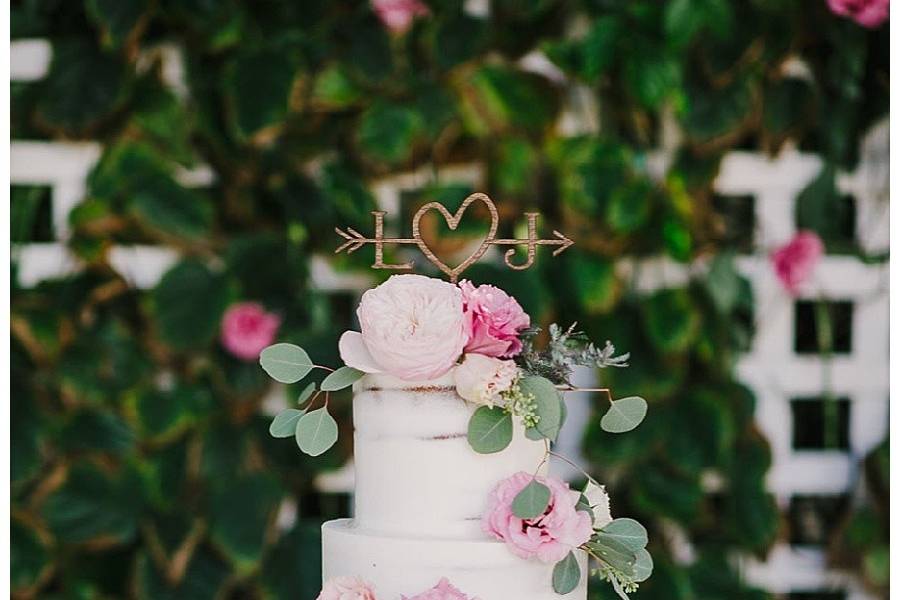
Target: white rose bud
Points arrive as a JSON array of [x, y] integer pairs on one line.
[[481, 379]]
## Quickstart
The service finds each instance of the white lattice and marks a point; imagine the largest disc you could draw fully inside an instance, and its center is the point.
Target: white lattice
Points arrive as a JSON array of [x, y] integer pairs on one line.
[[771, 367]]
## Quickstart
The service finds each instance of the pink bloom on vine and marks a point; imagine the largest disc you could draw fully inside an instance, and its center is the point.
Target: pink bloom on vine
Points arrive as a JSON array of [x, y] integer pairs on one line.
[[442, 591], [346, 588], [548, 537], [247, 329], [494, 320], [398, 15], [868, 13], [795, 261]]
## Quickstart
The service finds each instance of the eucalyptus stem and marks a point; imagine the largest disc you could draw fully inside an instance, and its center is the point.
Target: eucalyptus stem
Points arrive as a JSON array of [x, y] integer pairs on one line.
[[572, 464]]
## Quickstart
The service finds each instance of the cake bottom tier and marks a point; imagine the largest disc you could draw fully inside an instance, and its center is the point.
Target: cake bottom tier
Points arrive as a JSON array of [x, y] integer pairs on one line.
[[398, 566]]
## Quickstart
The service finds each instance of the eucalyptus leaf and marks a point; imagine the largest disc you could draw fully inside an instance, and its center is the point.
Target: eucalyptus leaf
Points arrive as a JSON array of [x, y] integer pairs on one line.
[[285, 423], [341, 378], [566, 574], [627, 531], [613, 552], [316, 432], [533, 434], [624, 414], [531, 501], [306, 393], [285, 363], [643, 567], [490, 430], [546, 398]]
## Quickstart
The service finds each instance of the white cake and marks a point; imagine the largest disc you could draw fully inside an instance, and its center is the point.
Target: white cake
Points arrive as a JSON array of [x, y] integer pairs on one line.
[[420, 494]]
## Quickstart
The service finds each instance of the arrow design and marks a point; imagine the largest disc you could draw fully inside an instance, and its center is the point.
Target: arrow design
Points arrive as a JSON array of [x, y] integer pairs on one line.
[[354, 240]]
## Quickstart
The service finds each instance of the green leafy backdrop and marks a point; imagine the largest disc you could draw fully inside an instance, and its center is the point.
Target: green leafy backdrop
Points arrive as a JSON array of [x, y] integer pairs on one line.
[[142, 466]]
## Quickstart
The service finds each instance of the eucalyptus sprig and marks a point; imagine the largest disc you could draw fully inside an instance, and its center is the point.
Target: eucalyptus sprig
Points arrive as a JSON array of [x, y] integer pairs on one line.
[[565, 350], [315, 431]]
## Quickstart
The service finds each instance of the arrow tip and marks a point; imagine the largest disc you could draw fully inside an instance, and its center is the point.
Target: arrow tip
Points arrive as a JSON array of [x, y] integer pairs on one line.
[[566, 242]]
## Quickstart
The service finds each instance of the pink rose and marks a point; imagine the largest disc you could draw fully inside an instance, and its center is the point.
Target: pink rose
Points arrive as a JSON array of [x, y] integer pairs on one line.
[[794, 262], [346, 588], [413, 328], [494, 319], [868, 13], [442, 591], [481, 379], [549, 537], [398, 15], [247, 329]]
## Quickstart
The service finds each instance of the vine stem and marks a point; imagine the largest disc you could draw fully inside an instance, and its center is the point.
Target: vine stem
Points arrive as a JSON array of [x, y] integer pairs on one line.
[[572, 464], [571, 388]]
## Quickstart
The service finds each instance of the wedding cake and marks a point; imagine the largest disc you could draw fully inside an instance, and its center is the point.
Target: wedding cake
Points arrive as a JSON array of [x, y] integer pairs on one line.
[[420, 494], [455, 410]]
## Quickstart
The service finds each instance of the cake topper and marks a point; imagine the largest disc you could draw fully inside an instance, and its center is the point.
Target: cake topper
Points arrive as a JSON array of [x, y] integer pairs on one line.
[[355, 240]]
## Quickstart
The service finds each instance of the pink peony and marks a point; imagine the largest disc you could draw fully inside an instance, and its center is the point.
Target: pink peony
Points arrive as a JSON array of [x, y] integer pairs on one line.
[[247, 329], [481, 379], [346, 588], [794, 262], [868, 13], [494, 319], [398, 15], [549, 537], [442, 591], [413, 328]]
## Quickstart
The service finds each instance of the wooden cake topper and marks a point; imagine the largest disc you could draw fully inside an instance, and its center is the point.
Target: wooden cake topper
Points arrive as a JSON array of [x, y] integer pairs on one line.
[[355, 240]]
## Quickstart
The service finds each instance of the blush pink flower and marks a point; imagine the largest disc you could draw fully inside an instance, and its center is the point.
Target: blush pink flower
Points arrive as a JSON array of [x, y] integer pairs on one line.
[[398, 15], [494, 320], [412, 327], [548, 537], [442, 591], [346, 588], [868, 13], [247, 328], [482, 379], [795, 261]]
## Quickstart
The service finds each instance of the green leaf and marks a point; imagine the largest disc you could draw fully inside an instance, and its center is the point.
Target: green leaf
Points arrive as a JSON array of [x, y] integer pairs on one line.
[[671, 320], [627, 531], [258, 87], [285, 423], [28, 557], [546, 397], [643, 566], [188, 303], [629, 206], [335, 89], [566, 574], [285, 363], [490, 430], [531, 501], [613, 552], [624, 415], [341, 378], [316, 432], [306, 393], [239, 512], [169, 209], [387, 132]]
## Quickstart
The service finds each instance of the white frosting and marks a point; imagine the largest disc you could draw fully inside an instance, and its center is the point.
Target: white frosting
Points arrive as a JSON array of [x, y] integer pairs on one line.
[[415, 471], [398, 565]]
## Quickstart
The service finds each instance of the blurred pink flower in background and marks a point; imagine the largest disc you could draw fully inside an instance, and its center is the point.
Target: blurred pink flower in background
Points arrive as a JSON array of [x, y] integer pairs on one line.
[[868, 13], [398, 15], [494, 320], [346, 588], [795, 261], [550, 536], [247, 328], [442, 591]]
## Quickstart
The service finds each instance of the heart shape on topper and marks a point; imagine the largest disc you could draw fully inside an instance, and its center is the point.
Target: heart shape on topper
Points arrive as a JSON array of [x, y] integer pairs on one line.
[[453, 223]]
